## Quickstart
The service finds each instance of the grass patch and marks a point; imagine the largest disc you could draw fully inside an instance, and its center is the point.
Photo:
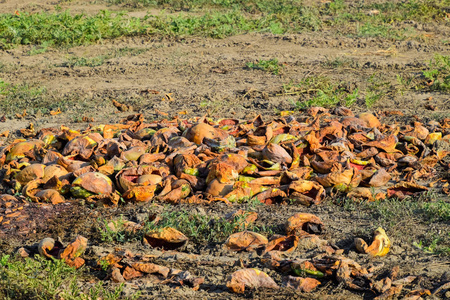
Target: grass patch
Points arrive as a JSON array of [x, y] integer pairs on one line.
[[63, 29], [434, 245], [270, 66], [41, 279], [376, 90], [217, 19], [320, 91], [389, 211], [36, 99], [382, 19], [203, 228], [438, 74], [119, 234], [382, 30], [16, 98], [425, 209], [77, 61], [339, 62], [33, 279], [436, 77]]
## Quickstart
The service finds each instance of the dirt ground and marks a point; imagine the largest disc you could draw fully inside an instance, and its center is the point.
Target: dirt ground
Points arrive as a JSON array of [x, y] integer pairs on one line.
[[196, 76]]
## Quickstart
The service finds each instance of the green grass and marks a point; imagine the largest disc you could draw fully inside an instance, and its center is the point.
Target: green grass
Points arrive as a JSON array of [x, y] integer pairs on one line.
[[383, 31], [389, 211], [203, 228], [33, 279], [64, 29], [42, 279], [434, 245], [77, 61], [339, 62], [120, 234], [198, 228], [320, 91], [438, 73], [270, 66], [96, 292], [14, 98], [377, 89], [37, 100], [435, 77], [397, 216], [386, 22], [217, 19]]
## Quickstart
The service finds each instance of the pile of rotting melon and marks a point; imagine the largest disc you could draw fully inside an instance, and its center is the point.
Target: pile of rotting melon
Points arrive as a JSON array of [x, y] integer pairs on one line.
[[203, 160]]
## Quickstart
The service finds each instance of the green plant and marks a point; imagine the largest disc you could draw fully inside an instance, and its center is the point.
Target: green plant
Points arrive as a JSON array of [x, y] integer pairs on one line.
[[64, 29], [4, 87], [382, 30], [405, 83], [37, 278], [98, 291], [200, 228], [438, 74], [269, 66], [376, 90], [390, 210], [339, 62], [39, 49], [114, 231], [17, 97], [320, 91], [435, 245], [76, 61]]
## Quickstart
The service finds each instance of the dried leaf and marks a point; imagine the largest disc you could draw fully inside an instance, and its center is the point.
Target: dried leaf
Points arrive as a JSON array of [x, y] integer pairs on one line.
[[305, 285], [304, 223], [245, 241], [250, 278], [150, 268], [285, 243], [131, 273], [167, 238], [276, 153]]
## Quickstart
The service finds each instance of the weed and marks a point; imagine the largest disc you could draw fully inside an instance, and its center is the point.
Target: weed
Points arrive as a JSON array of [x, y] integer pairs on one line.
[[24, 92], [200, 228], [376, 90], [339, 62], [75, 61], [96, 292], [115, 231], [434, 245], [33, 278], [218, 19], [382, 30], [84, 61], [30, 96], [4, 87], [254, 203], [390, 210], [320, 91], [270, 66], [438, 75], [39, 49], [63, 29], [404, 83]]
